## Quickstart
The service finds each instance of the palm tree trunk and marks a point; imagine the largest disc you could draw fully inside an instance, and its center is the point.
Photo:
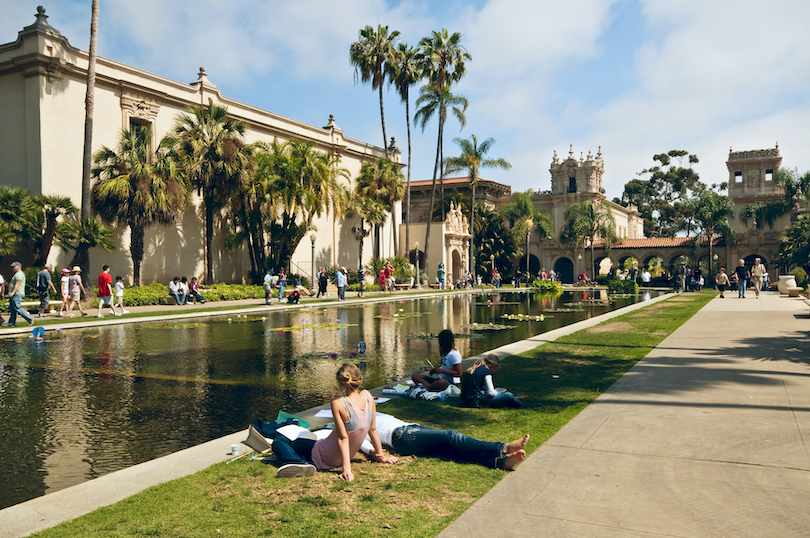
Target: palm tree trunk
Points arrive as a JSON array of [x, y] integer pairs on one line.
[[382, 119], [47, 242], [209, 239], [408, 188], [394, 250], [136, 241], [362, 236], [472, 230], [89, 105]]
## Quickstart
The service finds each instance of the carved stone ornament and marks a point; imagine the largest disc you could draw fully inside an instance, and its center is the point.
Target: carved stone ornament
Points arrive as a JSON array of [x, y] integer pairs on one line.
[[752, 179], [139, 108], [456, 221]]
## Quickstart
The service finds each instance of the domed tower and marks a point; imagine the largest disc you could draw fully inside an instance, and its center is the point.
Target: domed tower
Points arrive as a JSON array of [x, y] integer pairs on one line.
[[577, 176]]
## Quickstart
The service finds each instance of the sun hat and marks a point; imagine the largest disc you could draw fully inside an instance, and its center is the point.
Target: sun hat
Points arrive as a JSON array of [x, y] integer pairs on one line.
[[65, 271], [76, 269]]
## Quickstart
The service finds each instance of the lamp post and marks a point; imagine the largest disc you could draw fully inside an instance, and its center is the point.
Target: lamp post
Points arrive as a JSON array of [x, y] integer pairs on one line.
[[312, 267], [416, 255], [528, 235], [492, 265]]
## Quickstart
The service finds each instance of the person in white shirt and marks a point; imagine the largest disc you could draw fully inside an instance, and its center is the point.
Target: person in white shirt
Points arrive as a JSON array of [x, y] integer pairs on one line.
[[65, 291], [411, 439], [119, 294], [176, 291], [645, 278]]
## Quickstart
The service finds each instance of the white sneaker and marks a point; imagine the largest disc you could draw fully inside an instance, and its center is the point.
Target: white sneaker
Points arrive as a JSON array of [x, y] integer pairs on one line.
[[101, 316], [125, 311], [59, 314], [117, 315], [296, 469]]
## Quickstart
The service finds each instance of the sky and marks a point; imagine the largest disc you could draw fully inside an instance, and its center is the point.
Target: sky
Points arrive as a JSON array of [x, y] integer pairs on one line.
[[636, 77]]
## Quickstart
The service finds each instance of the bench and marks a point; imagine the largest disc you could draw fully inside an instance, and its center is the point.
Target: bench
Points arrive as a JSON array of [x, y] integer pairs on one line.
[[402, 287], [794, 292]]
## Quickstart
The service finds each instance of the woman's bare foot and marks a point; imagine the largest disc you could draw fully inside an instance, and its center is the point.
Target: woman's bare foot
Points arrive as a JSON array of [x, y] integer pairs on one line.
[[516, 445], [513, 460], [521, 398]]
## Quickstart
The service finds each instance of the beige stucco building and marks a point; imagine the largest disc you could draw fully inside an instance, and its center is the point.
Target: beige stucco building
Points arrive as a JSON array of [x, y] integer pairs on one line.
[[42, 93]]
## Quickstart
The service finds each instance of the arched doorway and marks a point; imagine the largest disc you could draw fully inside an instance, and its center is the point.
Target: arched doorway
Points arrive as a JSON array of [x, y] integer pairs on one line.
[[456, 270], [534, 265], [565, 270]]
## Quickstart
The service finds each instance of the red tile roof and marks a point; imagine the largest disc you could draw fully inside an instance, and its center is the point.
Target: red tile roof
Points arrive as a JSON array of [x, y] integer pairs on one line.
[[658, 242]]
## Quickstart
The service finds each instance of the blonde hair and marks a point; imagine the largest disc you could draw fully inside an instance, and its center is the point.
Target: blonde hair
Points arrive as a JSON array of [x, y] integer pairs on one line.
[[486, 360], [349, 378]]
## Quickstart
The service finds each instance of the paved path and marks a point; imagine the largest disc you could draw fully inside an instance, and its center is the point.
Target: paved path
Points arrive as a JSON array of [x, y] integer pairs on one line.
[[707, 436]]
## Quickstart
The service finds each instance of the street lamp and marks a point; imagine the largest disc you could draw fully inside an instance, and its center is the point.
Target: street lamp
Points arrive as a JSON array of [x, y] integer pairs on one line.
[[416, 255], [312, 271], [528, 235]]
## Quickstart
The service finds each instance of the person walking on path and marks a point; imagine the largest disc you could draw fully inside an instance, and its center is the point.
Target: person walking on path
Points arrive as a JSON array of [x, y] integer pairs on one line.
[[44, 287], [361, 279], [758, 272], [105, 291], [742, 279], [16, 296], [282, 281], [2, 294], [722, 282], [340, 278], [64, 283], [76, 289]]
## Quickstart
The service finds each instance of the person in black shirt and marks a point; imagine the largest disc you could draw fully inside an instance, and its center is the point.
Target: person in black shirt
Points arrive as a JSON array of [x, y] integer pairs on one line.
[[742, 279]]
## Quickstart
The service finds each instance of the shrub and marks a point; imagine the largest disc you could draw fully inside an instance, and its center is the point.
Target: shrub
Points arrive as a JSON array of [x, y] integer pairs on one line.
[[801, 277], [547, 286], [623, 286], [369, 287]]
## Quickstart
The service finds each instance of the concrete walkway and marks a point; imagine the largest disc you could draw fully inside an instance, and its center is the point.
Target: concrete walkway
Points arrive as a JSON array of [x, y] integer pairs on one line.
[[707, 436]]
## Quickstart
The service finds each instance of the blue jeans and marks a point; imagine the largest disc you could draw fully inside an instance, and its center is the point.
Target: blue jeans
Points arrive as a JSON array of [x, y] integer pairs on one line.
[[179, 297], [298, 451], [417, 440], [741, 285], [280, 291], [503, 399], [14, 308]]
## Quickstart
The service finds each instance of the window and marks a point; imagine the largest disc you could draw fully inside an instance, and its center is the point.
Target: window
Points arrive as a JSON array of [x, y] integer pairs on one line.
[[769, 175], [738, 177], [572, 184]]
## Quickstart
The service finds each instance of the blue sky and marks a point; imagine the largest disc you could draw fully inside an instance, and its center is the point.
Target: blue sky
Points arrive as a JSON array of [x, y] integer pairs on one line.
[[636, 77]]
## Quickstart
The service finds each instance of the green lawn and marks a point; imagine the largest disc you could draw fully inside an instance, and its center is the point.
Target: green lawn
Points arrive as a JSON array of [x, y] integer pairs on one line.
[[416, 497]]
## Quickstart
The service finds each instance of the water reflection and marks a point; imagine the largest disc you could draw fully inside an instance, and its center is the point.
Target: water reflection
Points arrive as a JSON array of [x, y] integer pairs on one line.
[[87, 402]]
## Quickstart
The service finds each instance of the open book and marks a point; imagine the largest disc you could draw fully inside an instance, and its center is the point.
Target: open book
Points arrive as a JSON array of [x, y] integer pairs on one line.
[[260, 443]]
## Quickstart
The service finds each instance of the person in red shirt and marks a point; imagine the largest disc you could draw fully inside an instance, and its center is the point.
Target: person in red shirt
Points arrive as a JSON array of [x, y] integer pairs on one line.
[[105, 292], [389, 277]]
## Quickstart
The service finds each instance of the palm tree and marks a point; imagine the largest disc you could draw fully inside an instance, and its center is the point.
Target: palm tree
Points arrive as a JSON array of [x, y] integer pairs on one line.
[[53, 207], [89, 103], [443, 206], [368, 55], [137, 187], [20, 216], [215, 161], [369, 210], [381, 180], [83, 234], [473, 159], [711, 212], [521, 209], [589, 221], [442, 58], [429, 102], [403, 72]]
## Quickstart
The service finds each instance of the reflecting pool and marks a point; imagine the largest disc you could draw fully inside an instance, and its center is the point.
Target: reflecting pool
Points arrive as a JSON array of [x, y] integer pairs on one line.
[[83, 403]]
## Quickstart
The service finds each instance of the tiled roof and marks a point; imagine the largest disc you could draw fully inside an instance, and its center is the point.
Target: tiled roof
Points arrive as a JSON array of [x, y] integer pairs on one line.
[[658, 242], [456, 181]]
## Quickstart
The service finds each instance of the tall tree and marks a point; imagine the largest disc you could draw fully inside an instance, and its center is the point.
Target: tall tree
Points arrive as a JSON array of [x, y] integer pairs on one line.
[[794, 250], [472, 160], [794, 188], [661, 192], [428, 103], [53, 208], [83, 234], [442, 60], [89, 107], [588, 221], [369, 55], [711, 213], [381, 180], [369, 210], [521, 209], [215, 161], [137, 187], [21, 218], [403, 73]]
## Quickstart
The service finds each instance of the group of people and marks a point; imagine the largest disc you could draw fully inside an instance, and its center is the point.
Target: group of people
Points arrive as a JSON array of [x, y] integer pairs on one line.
[[386, 279], [358, 426], [184, 291], [741, 277], [278, 281]]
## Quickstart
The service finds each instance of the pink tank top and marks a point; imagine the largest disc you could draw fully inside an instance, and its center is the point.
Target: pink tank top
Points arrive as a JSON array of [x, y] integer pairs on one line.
[[326, 452]]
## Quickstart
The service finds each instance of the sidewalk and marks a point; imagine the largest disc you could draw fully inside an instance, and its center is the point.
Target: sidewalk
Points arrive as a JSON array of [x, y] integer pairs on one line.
[[707, 436]]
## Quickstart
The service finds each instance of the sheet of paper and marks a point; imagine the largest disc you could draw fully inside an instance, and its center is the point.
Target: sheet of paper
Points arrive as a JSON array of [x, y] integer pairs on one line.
[[381, 400], [324, 413], [409, 382]]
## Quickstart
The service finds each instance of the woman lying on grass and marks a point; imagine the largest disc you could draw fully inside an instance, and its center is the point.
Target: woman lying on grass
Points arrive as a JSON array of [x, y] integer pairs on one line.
[[354, 415], [478, 390]]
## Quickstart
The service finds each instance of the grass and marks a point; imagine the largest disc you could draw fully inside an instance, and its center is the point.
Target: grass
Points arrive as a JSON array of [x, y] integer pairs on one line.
[[418, 496]]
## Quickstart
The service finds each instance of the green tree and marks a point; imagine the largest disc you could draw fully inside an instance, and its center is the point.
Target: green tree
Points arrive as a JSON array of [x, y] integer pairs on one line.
[[496, 237], [794, 188], [403, 72], [661, 192], [137, 187], [443, 62], [472, 159], [52, 209], [428, 103], [20, 217], [442, 206], [711, 213], [215, 161], [81, 235], [381, 180], [369, 210], [588, 221], [794, 250], [369, 56]]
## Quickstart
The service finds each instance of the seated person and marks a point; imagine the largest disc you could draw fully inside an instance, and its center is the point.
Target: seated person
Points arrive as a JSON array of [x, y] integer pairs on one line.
[[450, 367], [194, 290], [299, 288], [294, 297], [409, 439], [176, 291], [477, 389]]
